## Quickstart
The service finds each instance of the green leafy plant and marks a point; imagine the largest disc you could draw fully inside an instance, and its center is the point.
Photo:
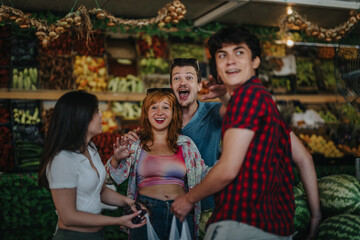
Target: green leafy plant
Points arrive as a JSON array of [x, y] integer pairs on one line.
[[27, 211]]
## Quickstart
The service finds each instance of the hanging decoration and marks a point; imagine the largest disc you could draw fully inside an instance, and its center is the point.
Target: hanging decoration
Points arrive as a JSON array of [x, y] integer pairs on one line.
[[295, 21], [80, 20]]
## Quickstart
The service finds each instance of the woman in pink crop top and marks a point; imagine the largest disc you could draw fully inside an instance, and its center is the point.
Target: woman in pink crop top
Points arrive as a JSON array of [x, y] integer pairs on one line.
[[161, 165]]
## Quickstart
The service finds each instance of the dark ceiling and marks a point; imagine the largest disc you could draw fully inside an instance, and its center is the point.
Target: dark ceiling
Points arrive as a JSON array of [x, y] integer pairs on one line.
[[324, 13]]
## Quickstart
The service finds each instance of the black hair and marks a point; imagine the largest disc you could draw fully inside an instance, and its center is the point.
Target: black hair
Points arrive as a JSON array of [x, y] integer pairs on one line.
[[68, 127], [234, 35], [182, 62]]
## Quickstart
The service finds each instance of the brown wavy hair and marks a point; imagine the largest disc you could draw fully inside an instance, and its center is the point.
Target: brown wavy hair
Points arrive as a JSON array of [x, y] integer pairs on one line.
[[175, 125]]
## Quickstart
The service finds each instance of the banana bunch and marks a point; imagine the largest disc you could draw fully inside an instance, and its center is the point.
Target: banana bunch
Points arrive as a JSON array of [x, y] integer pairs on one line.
[[26, 79], [130, 83], [26, 117], [127, 110]]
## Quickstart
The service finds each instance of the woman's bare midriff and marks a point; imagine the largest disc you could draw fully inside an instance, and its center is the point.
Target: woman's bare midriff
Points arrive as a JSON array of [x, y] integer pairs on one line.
[[162, 192]]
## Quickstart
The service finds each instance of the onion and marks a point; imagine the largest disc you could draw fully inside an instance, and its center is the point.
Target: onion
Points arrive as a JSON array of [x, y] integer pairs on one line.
[[173, 14], [167, 19], [40, 35], [353, 19], [315, 33], [110, 24], [100, 15], [291, 19], [177, 3], [52, 34], [320, 35], [59, 29], [161, 24], [69, 20]]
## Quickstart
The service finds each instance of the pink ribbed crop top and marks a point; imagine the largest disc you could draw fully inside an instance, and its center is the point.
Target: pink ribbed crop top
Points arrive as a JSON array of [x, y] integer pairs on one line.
[[156, 169]]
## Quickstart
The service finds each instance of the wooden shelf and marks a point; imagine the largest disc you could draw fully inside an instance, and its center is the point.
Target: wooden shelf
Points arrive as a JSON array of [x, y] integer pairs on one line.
[[53, 95]]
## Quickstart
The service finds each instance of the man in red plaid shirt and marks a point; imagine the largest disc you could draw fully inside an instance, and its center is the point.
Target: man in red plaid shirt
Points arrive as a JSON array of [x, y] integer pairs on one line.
[[253, 180]]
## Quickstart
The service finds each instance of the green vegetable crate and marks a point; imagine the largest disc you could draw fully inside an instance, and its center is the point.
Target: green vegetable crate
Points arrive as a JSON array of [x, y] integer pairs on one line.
[[27, 134]]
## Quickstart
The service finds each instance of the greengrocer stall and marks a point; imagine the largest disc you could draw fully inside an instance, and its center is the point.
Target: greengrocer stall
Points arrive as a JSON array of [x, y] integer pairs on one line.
[[117, 50]]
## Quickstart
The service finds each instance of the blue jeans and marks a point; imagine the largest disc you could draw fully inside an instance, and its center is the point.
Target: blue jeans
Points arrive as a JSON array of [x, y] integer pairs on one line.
[[160, 218]]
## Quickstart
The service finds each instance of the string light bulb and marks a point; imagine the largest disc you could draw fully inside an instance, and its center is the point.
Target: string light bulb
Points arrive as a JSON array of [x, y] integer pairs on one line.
[[289, 42], [289, 10]]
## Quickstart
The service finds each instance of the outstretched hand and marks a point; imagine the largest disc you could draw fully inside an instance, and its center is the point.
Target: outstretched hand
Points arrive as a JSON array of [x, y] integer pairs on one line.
[[121, 148], [215, 89]]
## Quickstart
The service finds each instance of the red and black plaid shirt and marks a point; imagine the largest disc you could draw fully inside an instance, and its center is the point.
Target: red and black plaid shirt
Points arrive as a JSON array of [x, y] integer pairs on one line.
[[262, 193]]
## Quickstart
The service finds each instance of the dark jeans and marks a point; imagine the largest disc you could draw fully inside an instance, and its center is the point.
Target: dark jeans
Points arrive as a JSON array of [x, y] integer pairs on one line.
[[160, 218], [63, 234]]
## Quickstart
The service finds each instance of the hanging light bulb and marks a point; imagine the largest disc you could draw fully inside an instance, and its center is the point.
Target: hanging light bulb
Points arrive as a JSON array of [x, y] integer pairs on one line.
[[289, 10], [289, 42]]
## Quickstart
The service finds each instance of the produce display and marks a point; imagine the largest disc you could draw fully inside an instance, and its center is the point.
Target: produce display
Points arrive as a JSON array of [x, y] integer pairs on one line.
[[187, 50], [151, 46], [273, 50], [56, 71], [28, 153], [326, 52], [6, 150], [342, 226], [121, 67], [340, 205], [90, 73], [27, 121], [302, 211], [94, 47], [305, 76], [4, 52], [127, 110], [60, 46], [26, 117], [327, 67], [24, 49], [46, 117], [318, 144], [328, 116], [156, 80], [4, 78], [104, 144], [130, 83], [339, 194], [153, 66], [109, 123], [280, 84], [25, 79], [5, 116]]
